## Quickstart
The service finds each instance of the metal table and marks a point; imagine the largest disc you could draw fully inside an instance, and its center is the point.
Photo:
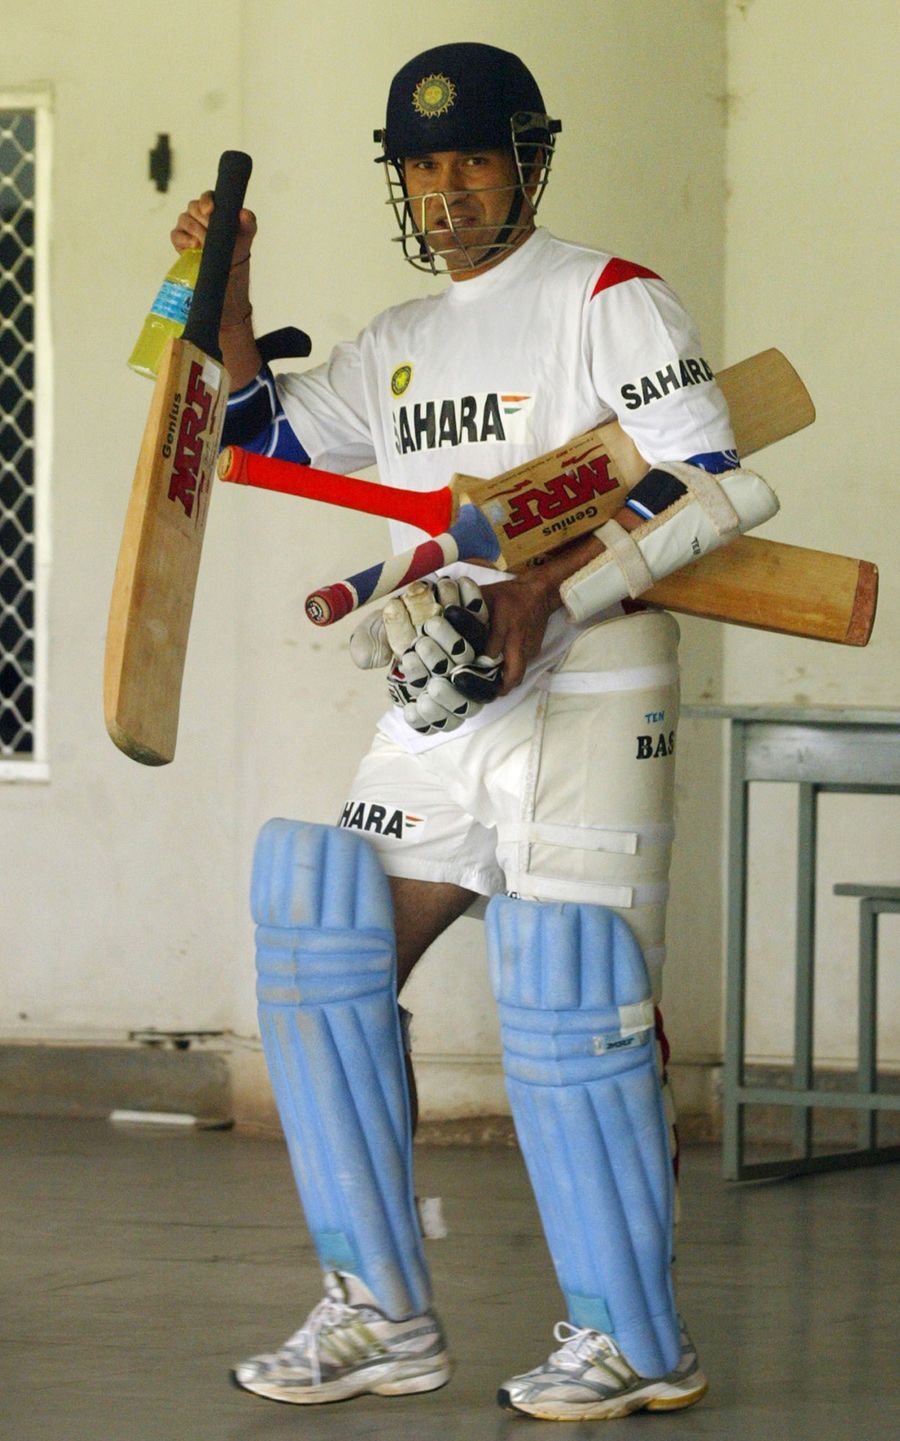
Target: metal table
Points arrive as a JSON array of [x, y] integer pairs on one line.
[[819, 749]]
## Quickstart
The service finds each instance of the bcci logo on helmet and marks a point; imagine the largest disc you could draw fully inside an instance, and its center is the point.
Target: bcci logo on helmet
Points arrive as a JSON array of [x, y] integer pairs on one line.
[[434, 95]]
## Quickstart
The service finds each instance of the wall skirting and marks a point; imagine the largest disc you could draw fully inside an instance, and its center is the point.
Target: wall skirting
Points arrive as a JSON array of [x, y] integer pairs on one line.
[[91, 1080], [223, 1081]]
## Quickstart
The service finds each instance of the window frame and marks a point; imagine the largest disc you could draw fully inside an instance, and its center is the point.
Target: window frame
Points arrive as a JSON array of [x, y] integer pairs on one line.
[[34, 766]]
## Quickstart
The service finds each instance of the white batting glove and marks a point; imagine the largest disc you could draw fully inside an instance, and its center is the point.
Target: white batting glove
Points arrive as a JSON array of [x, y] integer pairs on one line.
[[435, 636], [370, 648]]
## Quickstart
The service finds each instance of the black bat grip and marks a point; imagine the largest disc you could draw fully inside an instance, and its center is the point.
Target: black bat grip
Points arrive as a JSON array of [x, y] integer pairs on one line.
[[205, 314]]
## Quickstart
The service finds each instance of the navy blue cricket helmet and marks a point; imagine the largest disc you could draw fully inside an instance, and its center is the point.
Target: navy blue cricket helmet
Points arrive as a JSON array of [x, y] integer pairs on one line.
[[465, 96]]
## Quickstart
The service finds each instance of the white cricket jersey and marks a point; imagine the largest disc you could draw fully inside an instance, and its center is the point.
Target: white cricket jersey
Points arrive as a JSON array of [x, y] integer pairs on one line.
[[498, 369]]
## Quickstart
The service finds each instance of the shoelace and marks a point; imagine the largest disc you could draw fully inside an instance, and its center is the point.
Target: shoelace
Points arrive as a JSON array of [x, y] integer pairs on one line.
[[329, 1313], [575, 1340], [602, 1348]]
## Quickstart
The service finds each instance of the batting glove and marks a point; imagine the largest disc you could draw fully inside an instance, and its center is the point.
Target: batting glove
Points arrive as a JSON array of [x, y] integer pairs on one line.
[[435, 636]]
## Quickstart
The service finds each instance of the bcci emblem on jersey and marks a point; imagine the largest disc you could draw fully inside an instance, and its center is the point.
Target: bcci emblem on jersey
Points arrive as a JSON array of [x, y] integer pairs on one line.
[[400, 379]]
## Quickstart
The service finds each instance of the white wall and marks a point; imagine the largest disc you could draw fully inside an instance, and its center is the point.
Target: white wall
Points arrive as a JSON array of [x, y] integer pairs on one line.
[[118, 901], [123, 889], [813, 216]]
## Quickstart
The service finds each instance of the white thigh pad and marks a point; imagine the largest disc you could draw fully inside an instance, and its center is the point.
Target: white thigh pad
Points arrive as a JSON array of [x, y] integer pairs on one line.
[[596, 820]]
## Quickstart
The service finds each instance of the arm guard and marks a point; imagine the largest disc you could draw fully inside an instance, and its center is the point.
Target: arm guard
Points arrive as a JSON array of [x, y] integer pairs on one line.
[[254, 418], [711, 512]]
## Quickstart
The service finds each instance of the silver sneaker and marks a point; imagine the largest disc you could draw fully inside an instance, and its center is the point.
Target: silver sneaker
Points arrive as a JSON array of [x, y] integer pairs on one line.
[[346, 1347], [590, 1380]]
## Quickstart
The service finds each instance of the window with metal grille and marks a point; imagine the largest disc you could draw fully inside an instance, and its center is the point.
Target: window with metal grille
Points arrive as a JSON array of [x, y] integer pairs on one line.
[[23, 371]]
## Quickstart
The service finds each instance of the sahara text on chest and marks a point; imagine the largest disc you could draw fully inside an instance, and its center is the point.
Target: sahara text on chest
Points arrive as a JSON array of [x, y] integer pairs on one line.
[[464, 420]]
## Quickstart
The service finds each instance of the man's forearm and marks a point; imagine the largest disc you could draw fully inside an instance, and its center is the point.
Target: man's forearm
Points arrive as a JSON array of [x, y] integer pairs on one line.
[[572, 558], [240, 353], [239, 350]]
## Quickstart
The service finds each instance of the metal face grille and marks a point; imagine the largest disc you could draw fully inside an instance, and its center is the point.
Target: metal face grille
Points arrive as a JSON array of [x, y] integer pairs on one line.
[[18, 540]]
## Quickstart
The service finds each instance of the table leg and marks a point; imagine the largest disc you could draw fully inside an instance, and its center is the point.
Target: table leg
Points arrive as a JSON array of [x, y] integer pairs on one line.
[[804, 991], [735, 961], [867, 1137]]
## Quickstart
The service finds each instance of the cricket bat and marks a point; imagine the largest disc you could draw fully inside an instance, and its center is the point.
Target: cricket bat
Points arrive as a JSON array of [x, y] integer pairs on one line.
[[772, 586], [753, 581], [512, 520], [159, 555], [766, 399]]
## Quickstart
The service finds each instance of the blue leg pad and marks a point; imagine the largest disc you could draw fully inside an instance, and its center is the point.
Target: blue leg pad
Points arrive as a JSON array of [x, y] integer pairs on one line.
[[331, 1034], [580, 1062]]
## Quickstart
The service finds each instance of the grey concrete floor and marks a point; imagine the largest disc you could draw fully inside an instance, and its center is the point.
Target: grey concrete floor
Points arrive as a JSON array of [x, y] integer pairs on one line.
[[137, 1265]]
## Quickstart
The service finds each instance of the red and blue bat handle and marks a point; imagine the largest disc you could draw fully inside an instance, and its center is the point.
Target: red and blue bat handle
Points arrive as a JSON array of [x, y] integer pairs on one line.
[[469, 538]]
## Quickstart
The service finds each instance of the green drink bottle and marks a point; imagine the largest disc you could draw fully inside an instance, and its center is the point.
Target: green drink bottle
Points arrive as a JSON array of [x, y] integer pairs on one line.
[[168, 314]]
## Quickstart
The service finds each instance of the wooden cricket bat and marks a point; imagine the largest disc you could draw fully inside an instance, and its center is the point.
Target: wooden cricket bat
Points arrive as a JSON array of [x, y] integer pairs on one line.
[[766, 398], [772, 586], [753, 582], [512, 520], [159, 556]]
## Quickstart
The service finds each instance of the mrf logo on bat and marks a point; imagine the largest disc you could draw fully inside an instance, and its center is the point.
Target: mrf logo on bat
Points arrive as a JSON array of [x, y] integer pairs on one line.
[[551, 506], [187, 435]]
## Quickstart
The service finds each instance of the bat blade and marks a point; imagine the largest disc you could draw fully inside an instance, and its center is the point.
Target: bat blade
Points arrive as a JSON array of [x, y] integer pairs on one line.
[[162, 539], [767, 400], [159, 556], [768, 585]]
